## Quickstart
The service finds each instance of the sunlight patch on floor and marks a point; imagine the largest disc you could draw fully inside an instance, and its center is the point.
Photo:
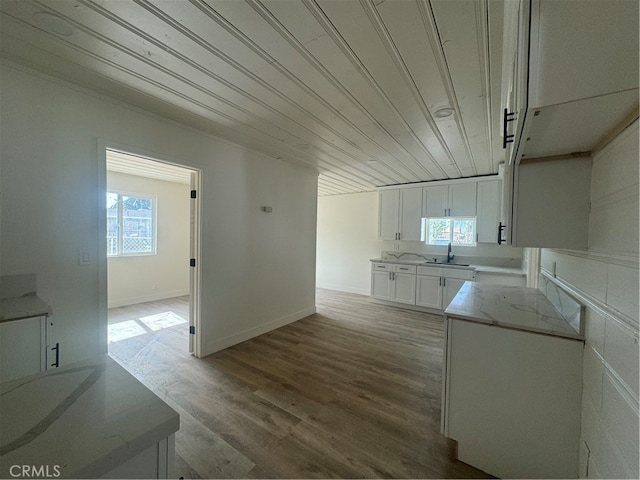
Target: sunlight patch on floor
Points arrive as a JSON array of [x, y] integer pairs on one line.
[[143, 325]]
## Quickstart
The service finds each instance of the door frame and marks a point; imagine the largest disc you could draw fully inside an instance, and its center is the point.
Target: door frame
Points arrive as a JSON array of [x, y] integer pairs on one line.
[[195, 297]]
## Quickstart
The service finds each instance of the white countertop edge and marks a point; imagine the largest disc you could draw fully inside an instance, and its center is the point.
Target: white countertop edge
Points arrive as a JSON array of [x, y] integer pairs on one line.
[[488, 269], [548, 333], [160, 422], [26, 306]]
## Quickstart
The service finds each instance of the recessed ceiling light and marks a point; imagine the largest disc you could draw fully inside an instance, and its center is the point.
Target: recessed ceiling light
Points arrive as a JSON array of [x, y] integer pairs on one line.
[[53, 23], [444, 112]]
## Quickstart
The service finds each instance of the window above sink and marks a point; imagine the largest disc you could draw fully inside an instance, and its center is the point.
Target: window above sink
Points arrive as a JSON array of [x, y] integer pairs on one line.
[[459, 231]]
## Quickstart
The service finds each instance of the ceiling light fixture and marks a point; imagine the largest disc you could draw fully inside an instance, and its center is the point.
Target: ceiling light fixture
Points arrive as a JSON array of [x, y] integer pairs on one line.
[[53, 23], [444, 112]]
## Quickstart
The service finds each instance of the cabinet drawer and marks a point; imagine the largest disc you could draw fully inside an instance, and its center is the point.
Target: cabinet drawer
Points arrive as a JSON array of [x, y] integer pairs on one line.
[[431, 271], [405, 269], [382, 266], [457, 273]]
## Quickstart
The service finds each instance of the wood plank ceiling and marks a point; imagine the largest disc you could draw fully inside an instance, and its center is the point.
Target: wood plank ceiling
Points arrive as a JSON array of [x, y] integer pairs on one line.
[[351, 88]]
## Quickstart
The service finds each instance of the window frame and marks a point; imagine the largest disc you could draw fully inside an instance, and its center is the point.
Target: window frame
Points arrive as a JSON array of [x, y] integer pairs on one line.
[[451, 220], [119, 217]]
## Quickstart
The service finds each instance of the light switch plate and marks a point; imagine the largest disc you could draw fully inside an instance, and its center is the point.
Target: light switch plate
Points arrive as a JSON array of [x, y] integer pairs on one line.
[[84, 257]]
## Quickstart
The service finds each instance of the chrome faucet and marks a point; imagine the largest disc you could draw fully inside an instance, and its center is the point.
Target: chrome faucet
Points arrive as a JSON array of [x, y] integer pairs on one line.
[[450, 255]]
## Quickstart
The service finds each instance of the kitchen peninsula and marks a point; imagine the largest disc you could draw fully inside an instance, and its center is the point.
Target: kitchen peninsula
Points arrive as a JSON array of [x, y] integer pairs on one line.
[[512, 379], [87, 420]]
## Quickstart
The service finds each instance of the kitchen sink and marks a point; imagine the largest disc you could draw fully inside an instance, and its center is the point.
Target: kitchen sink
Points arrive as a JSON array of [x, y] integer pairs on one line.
[[445, 264]]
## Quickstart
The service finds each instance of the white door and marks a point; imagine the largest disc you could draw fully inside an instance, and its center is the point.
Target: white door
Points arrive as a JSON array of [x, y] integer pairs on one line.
[[429, 291], [194, 274]]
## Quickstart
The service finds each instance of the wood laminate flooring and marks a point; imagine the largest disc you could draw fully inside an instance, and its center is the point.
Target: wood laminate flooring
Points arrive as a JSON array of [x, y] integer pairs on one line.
[[350, 392]]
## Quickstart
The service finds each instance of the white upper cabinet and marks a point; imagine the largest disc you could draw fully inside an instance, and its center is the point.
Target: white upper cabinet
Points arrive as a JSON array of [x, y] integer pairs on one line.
[[410, 214], [400, 214], [455, 200], [489, 199], [436, 201], [388, 205], [552, 204], [462, 199], [570, 74]]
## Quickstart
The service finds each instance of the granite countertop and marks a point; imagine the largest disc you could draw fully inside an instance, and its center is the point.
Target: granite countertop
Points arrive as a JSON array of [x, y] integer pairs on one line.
[[518, 308], [478, 268], [86, 418], [26, 306]]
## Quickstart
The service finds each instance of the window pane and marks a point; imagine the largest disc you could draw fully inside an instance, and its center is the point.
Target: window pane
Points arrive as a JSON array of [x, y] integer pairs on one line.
[[438, 231], [137, 225], [112, 223], [464, 231]]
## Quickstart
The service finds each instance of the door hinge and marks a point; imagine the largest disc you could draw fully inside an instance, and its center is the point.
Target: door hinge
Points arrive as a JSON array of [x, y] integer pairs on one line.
[[192, 330], [192, 262], [193, 194]]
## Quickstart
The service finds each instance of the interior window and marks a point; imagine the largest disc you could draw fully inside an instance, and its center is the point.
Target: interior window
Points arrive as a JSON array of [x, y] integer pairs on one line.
[[130, 224]]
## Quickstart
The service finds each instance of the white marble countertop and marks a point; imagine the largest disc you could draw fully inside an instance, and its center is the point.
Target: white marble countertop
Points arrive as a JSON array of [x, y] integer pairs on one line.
[[86, 418], [26, 306], [478, 268], [519, 308]]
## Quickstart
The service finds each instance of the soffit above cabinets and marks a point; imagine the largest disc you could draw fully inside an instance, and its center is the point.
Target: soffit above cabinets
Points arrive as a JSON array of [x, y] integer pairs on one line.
[[350, 88]]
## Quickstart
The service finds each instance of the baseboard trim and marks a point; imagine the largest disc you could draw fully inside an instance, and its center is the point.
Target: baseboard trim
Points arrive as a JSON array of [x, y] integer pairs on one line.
[[253, 332], [343, 288], [122, 302]]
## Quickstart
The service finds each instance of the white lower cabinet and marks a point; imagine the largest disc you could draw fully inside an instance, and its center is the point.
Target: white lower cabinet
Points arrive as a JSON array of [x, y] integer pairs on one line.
[[429, 291], [512, 400], [23, 347], [157, 461], [437, 286], [394, 283]]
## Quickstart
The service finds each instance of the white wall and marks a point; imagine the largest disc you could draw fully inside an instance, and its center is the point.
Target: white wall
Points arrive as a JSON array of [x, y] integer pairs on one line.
[[348, 240], [136, 279], [605, 278], [258, 270]]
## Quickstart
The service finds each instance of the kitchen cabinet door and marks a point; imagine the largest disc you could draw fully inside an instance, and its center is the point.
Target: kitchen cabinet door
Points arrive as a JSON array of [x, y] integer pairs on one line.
[[410, 214], [488, 211], [429, 291], [404, 288], [552, 204], [500, 383], [455, 200], [462, 199], [23, 348], [436, 201], [381, 285], [451, 286], [388, 207]]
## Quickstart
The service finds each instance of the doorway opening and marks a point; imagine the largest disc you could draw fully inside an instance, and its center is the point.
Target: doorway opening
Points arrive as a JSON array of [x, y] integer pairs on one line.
[[152, 239]]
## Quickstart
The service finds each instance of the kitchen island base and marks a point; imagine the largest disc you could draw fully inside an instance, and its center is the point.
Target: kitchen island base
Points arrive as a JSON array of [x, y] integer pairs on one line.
[[512, 400]]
